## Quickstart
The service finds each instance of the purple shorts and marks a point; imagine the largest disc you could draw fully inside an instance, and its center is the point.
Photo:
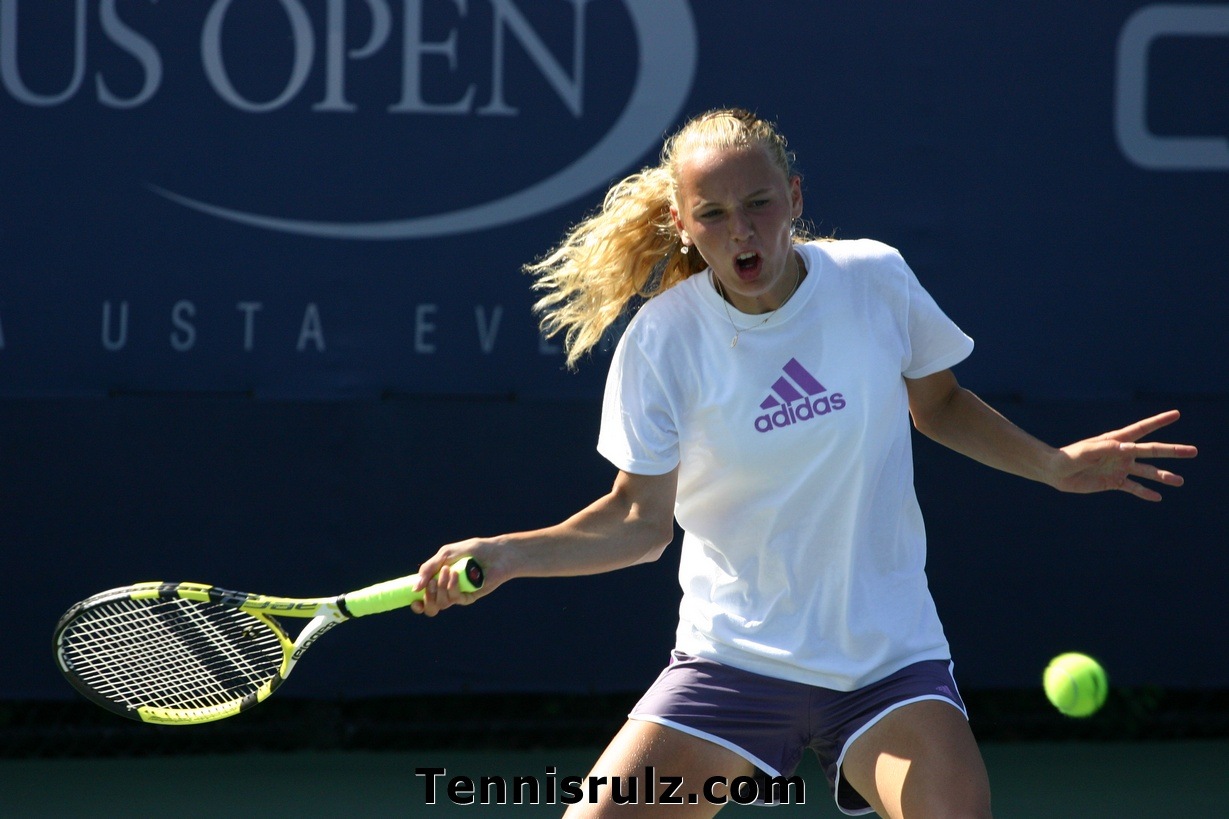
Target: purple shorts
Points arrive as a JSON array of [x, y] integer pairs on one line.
[[769, 721]]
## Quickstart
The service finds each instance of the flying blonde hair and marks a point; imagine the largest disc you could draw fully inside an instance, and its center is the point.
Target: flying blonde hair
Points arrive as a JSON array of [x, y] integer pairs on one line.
[[629, 249]]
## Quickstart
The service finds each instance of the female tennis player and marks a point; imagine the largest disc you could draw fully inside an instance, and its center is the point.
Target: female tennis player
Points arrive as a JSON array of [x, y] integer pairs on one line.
[[761, 395]]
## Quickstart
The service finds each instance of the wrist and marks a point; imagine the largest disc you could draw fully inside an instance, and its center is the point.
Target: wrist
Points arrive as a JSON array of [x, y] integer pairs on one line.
[[1053, 467]]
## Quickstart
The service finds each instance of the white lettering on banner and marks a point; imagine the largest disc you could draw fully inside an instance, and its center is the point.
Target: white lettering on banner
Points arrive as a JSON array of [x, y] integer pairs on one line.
[[116, 31], [509, 17], [335, 51], [141, 49], [184, 337], [120, 339], [10, 75], [249, 310], [414, 50], [1135, 138], [118, 317], [422, 327], [666, 51], [311, 329], [487, 330], [304, 52]]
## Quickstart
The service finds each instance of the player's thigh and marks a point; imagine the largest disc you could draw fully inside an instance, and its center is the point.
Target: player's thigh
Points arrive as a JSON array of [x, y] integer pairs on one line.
[[681, 765], [920, 760]]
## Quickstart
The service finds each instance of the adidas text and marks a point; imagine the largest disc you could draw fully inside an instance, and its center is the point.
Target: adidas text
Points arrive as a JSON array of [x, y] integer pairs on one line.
[[804, 410]]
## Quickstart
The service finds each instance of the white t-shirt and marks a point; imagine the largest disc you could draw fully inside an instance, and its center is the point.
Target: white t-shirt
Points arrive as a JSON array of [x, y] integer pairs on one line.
[[804, 550]]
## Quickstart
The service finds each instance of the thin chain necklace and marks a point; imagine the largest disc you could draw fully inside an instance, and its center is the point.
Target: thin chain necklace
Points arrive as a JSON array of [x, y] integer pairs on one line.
[[738, 331]]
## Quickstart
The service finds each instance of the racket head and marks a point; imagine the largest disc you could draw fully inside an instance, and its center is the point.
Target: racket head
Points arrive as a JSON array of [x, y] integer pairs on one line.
[[148, 653]]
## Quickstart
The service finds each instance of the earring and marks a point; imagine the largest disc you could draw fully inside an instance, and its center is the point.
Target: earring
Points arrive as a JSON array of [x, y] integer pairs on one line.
[[685, 249]]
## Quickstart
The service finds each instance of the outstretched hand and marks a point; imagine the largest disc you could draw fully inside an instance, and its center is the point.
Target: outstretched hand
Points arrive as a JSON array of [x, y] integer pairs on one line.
[[1114, 460]]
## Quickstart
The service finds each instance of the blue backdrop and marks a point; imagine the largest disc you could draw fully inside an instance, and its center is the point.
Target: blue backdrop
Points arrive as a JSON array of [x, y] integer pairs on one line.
[[262, 320]]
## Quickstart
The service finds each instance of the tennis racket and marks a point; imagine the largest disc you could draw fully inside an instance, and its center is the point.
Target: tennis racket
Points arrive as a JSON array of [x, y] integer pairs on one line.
[[187, 653]]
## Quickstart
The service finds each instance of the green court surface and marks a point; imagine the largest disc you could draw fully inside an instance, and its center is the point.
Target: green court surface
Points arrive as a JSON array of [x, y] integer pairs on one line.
[[1031, 780]]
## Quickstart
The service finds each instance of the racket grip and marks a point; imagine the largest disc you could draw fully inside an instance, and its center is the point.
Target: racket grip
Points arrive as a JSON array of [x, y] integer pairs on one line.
[[399, 593]]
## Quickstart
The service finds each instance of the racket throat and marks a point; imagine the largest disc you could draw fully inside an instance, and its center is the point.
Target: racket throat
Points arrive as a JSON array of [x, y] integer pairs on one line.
[[313, 632]]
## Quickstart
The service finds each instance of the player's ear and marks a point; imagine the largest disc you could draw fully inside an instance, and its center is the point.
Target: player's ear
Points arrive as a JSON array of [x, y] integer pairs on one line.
[[678, 222], [795, 196]]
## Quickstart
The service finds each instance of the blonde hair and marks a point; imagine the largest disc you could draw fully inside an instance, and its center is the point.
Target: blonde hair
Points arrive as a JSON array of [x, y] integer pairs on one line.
[[629, 249]]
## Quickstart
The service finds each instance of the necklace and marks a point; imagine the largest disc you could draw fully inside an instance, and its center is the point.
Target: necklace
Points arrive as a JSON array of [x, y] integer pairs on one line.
[[738, 331]]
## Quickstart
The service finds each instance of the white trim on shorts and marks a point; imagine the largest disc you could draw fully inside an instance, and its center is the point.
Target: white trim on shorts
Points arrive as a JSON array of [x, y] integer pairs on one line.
[[716, 740], [840, 760]]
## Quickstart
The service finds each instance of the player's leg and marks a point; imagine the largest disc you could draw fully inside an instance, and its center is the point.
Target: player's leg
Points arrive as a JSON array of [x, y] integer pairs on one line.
[[920, 760], [681, 764]]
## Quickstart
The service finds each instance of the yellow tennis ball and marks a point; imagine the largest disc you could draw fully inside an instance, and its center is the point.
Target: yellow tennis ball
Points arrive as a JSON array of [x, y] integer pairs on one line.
[[1076, 684]]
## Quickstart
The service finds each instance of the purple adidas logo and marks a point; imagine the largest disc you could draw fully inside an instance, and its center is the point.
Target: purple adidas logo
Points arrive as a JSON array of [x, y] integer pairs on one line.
[[796, 396]]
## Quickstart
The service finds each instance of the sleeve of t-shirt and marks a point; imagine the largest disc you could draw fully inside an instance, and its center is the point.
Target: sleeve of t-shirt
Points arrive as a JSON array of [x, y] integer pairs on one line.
[[935, 342], [638, 432]]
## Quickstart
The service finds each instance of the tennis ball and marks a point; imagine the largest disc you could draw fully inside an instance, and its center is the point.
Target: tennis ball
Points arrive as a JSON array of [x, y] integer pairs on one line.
[[1076, 684]]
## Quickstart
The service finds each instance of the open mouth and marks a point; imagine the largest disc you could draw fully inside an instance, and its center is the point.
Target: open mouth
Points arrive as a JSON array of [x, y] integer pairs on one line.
[[747, 264]]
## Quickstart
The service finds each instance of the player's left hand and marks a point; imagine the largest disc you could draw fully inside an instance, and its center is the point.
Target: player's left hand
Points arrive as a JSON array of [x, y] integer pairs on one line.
[[1114, 460]]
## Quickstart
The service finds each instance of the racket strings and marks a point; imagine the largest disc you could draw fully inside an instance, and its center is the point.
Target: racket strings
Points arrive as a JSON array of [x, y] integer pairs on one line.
[[171, 653]]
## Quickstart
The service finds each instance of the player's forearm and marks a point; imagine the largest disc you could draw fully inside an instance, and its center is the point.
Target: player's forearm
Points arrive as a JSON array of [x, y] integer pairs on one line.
[[609, 534], [970, 426], [631, 524]]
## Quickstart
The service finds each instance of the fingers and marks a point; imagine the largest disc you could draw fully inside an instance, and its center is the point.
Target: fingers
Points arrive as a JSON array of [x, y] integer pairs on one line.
[[1102, 464], [440, 584], [1140, 491], [1146, 471], [433, 565], [1162, 476], [1159, 450], [1139, 469], [1147, 426]]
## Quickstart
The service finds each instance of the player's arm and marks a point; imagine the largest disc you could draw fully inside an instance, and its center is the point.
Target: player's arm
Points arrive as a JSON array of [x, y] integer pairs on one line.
[[955, 417], [632, 523]]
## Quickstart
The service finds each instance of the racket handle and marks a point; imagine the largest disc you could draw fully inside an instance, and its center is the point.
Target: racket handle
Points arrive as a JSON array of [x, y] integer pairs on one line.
[[399, 593]]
